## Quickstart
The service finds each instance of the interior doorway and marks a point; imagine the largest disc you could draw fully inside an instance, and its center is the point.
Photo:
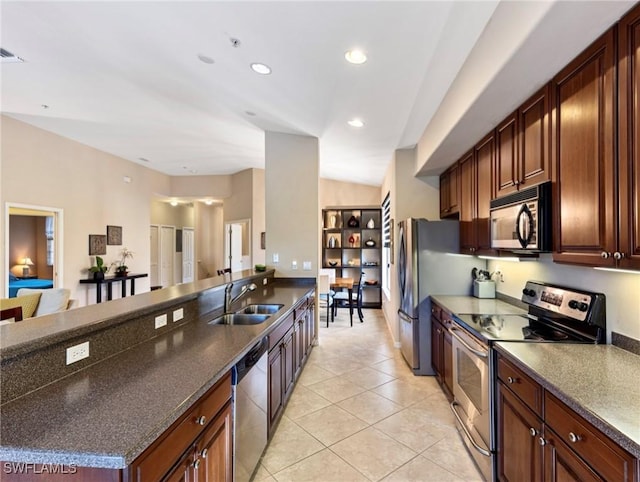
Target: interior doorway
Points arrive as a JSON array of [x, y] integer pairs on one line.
[[188, 256], [33, 244], [167, 254], [238, 245], [154, 262]]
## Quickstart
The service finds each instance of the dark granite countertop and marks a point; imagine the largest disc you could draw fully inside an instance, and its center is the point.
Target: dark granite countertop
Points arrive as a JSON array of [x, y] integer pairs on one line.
[[469, 305], [109, 413], [597, 381]]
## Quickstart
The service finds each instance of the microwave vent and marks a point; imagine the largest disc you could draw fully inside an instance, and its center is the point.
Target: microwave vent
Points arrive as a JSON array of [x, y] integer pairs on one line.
[[8, 57]]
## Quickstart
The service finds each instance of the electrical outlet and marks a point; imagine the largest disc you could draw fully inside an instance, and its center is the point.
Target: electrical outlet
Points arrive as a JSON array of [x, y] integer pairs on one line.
[[178, 314], [306, 265], [294, 264], [264, 281], [276, 258], [161, 321], [77, 352]]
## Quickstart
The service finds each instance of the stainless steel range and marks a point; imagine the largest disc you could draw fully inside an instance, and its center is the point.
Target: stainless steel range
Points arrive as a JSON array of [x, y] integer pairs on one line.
[[556, 314]]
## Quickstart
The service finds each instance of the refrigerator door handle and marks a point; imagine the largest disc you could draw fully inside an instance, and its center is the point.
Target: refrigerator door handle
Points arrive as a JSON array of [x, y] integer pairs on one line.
[[405, 317]]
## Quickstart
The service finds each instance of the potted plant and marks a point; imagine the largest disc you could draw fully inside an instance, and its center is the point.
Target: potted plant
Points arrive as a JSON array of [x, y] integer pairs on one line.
[[121, 268], [99, 269]]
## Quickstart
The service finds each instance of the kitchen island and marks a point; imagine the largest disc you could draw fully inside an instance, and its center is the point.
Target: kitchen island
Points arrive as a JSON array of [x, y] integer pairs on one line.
[[107, 413]]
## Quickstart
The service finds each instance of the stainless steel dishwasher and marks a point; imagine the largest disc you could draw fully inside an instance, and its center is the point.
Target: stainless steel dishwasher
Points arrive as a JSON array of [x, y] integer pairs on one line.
[[250, 407]]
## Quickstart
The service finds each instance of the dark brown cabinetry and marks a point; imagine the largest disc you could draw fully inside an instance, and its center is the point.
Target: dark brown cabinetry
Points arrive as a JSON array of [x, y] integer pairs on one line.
[[441, 348], [522, 146], [628, 253], [289, 346], [541, 438], [449, 192], [475, 196], [583, 143], [197, 447]]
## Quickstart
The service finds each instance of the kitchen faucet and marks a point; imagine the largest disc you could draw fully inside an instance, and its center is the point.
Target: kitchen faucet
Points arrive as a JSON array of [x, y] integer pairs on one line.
[[228, 301]]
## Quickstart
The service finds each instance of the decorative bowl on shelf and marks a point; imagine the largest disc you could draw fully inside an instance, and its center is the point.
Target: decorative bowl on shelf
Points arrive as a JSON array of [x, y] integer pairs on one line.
[[333, 263], [260, 267]]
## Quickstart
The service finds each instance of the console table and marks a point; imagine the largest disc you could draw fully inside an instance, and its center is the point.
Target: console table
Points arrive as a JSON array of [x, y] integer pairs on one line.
[[109, 280]]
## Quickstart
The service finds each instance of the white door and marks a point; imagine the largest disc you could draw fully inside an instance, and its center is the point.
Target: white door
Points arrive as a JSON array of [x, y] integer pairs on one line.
[[188, 263], [154, 267], [167, 253]]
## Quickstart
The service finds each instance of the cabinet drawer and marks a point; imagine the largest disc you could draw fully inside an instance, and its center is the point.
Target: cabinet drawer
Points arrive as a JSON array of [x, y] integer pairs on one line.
[[164, 452], [529, 391], [603, 455], [276, 335]]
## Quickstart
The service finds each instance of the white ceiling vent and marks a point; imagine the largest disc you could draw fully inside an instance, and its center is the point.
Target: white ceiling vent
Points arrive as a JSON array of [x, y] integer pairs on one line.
[[8, 57]]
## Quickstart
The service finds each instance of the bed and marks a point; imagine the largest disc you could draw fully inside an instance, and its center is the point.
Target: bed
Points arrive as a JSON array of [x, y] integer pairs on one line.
[[15, 284]]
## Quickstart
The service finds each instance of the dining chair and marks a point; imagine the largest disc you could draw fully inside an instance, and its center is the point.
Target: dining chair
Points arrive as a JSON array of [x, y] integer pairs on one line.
[[341, 298], [11, 314], [223, 271], [324, 296]]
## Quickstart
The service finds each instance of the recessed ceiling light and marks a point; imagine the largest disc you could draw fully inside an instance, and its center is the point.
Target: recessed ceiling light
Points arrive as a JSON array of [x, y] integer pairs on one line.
[[205, 59], [355, 123], [209, 202], [235, 43], [173, 202], [355, 56], [261, 68]]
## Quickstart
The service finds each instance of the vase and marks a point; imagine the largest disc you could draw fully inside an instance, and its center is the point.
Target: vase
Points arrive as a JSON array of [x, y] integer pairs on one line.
[[122, 274], [370, 243], [332, 221], [352, 240], [371, 224], [353, 222], [98, 275], [332, 242]]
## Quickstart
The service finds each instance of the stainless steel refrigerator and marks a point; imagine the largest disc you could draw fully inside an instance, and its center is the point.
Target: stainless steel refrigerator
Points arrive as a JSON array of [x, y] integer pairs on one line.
[[428, 264]]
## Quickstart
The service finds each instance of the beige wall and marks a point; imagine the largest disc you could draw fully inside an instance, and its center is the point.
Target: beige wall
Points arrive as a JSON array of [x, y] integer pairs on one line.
[[292, 211], [23, 234], [163, 213], [88, 185], [214, 187], [209, 240], [258, 219], [338, 193]]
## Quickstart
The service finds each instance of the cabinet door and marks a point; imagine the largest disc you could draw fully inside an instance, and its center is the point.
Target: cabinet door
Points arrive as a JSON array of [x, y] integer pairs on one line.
[[275, 385], [214, 451], [533, 130], [583, 143], [183, 471], [300, 345], [518, 433], [449, 192], [506, 167], [562, 464], [484, 160], [288, 363], [437, 336], [629, 144], [467, 204]]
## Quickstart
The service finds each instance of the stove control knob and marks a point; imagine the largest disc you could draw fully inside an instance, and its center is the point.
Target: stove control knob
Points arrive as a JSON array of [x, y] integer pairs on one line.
[[583, 307], [529, 292], [573, 304]]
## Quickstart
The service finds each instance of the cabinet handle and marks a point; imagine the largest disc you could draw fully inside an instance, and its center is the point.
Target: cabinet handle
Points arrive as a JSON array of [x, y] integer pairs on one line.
[[512, 380], [517, 183], [618, 255], [204, 453], [542, 441], [605, 255], [201, 420], [439, 330], [533, 432], [574, 438], [196, 464]]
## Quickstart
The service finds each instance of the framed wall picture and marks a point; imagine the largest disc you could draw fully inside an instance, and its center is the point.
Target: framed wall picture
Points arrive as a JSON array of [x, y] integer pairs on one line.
[[97, 244], [263, 241], [114, 235]]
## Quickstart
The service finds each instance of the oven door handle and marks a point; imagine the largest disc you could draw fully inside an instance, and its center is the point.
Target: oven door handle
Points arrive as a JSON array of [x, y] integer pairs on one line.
[[479, 448], [479, 353]]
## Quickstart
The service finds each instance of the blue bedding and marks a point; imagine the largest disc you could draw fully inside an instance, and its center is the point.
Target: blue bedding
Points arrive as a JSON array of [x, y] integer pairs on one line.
[[14, 286]]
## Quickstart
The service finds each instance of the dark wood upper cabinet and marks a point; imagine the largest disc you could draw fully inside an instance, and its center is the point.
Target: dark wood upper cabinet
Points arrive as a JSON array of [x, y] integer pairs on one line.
[[522, 146], [468, 186], [449, 192], [484, 157], [583, 143], [629, 141]]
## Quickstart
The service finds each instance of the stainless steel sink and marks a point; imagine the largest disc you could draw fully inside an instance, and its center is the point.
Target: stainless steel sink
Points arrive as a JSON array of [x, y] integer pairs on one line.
[[263, 309], [240, 319]]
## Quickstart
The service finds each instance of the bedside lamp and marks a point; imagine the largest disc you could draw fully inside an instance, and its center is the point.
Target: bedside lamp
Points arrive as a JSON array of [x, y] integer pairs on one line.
[[26, 262]]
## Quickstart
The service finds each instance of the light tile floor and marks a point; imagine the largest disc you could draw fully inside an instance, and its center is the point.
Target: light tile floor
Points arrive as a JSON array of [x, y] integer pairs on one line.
[[357, 413]]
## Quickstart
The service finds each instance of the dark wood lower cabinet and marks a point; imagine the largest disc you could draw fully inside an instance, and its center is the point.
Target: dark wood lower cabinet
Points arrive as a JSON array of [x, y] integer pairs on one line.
[[556, 445], [441, 349], [519, 433]]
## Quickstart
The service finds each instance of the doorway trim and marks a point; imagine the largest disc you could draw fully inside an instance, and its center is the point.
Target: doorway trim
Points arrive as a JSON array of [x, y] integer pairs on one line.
[[246, 224], [58, 264]]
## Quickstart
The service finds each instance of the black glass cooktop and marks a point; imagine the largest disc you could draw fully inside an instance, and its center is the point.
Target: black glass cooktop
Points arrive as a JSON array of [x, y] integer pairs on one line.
[[514, 328]]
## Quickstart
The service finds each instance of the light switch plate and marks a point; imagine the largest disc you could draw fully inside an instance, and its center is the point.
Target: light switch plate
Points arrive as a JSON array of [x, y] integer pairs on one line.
[[161, 321], [294, 264], [178, 314], [276, 258], [306, 265]]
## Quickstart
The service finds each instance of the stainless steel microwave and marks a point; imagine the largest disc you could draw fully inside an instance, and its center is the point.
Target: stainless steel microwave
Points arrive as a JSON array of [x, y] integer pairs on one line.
[[521, 222]]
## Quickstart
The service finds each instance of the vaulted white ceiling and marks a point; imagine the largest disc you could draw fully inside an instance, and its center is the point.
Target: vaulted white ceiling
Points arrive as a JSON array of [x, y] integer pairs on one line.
[[125, 77]]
